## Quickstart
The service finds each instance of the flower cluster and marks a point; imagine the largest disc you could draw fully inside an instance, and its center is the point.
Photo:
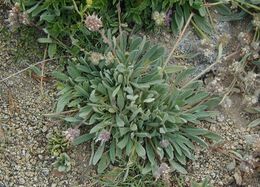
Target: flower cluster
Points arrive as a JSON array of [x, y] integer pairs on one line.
[[236, 67], [227, 103], [109, 57], [104, 136], [255, 49], [162, 170], [248, 46], [207, 48], [71, 134], [16, 18], [93, 22], [250, 78], [159, 18], [250, 100], [215, 86], [95, 57], [244, 38]]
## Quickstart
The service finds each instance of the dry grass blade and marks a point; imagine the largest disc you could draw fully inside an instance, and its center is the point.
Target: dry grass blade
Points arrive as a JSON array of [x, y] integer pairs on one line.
[[178, 41], [60, 113]]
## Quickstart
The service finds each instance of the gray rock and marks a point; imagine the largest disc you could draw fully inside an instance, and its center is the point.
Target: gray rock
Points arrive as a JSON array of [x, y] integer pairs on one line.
[[21, 181]]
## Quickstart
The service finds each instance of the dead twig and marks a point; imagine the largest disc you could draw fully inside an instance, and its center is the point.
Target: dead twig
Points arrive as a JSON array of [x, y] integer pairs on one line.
[[42, 72], [25, 69], [178, 41]]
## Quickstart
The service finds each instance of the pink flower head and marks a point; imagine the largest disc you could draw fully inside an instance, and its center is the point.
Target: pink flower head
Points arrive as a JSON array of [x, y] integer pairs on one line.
[[93, 22], [104, 136]]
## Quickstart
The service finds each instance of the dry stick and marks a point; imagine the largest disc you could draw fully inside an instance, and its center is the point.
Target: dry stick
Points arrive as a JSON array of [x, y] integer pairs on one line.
[[23, 70], [232, 54], [178, 41], [42, 73]]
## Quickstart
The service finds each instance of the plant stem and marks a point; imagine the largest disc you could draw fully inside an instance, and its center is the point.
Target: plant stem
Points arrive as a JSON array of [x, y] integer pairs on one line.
[[177, 42], [249, 4], [42, 72], [213, 4], [247, 11], [200, 32]]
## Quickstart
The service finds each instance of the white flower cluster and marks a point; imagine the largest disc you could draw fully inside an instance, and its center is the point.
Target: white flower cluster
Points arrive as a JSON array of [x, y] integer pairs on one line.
[[96, 57], [250, 100], [236, 67], [215, 86], [159, 18]]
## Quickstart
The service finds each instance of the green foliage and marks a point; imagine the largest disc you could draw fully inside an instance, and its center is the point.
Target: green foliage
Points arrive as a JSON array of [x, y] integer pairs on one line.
[[242, 9], [57, 144], [130, 108], [63, 23], [63, 20], [63, 164], [116, 177]]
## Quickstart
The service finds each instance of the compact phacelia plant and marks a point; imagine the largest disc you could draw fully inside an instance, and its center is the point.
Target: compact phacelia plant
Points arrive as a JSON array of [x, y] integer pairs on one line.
[[133, 106], [57, 144]]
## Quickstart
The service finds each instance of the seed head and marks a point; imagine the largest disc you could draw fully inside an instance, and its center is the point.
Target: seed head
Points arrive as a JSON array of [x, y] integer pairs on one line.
[[159, 18], [250, 79], [96, 57], [93, 22]]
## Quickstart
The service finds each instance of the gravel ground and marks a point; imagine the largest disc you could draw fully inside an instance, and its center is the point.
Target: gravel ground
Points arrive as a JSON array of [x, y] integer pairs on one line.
[[26, 162], [24, 158]]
